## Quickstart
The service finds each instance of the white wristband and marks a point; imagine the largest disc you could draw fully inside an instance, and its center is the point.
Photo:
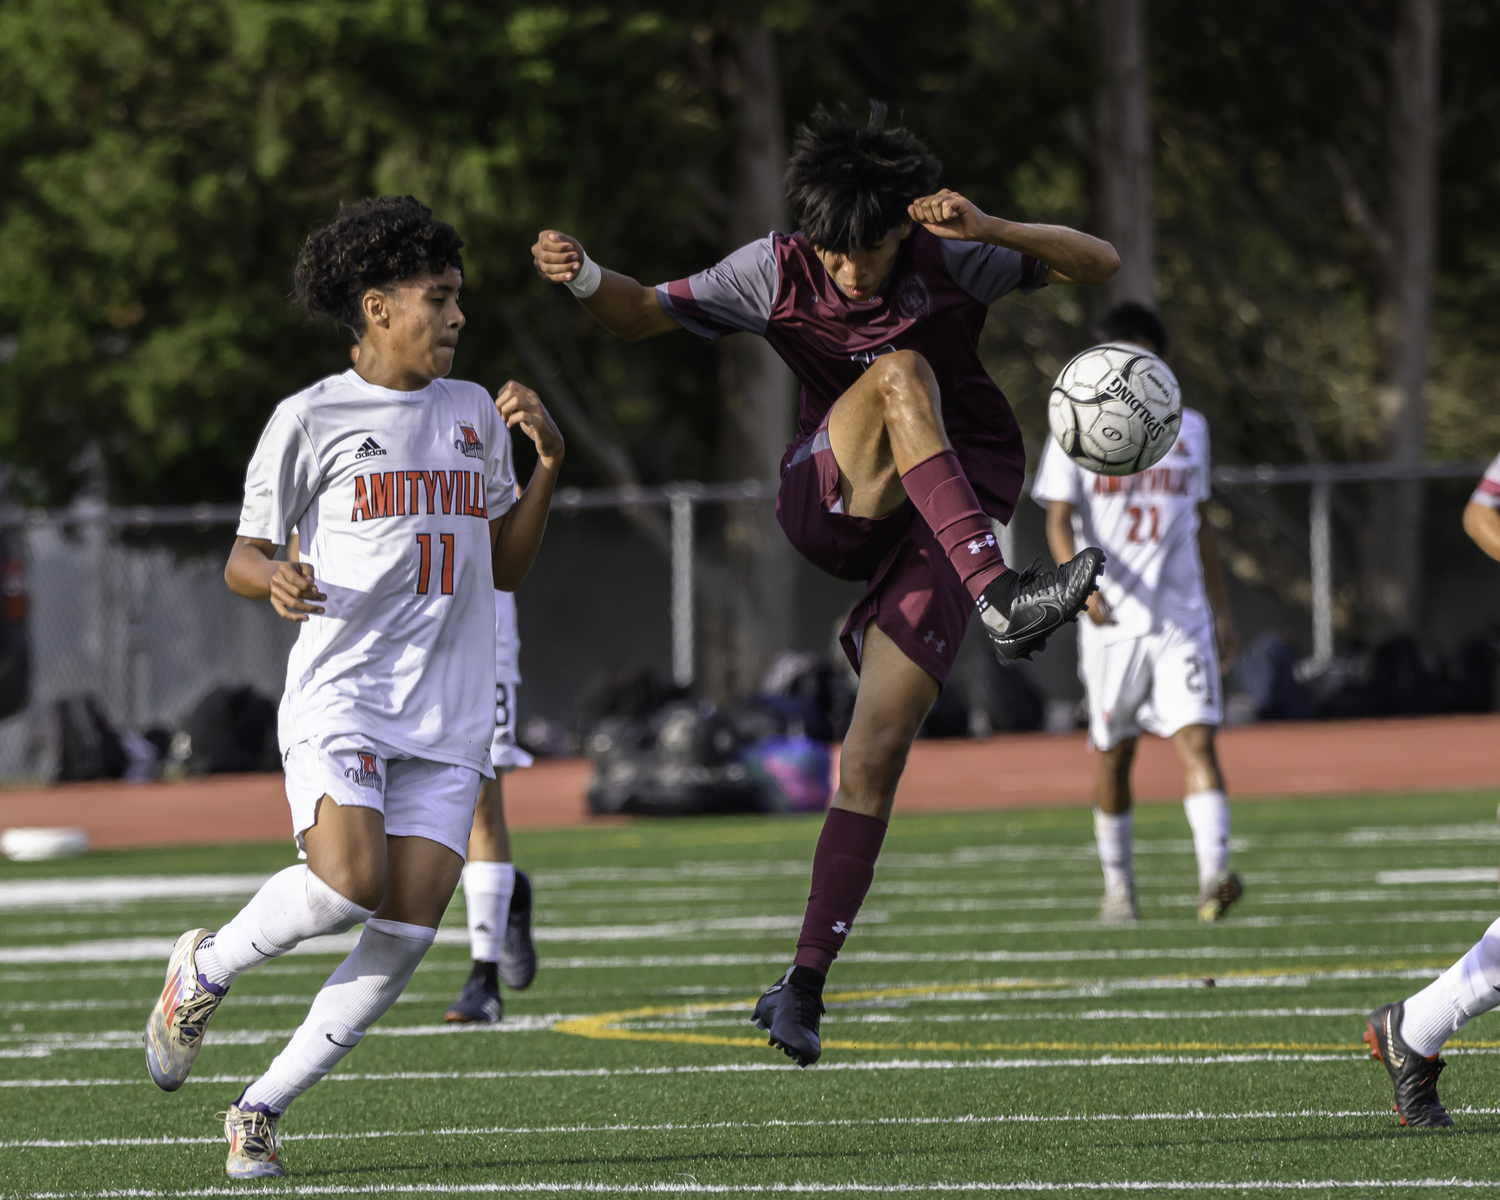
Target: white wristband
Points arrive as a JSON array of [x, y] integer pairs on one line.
[[586, 282]]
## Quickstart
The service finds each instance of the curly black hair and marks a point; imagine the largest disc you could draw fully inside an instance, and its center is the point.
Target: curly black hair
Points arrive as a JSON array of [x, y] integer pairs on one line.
[[1132, 322], [849, 183], [373, 243]]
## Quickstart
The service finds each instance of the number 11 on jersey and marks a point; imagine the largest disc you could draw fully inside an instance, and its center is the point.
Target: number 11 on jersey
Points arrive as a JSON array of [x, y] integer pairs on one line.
[[424, 562]]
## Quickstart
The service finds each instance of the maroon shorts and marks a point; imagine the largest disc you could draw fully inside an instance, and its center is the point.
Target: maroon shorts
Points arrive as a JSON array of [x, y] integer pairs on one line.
[[913, 593]]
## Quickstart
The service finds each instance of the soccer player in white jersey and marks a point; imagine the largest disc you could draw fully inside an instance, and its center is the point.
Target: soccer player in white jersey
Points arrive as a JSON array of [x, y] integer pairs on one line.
[[401, 487], [1158, 634], [1408, 1036], [497, 897]]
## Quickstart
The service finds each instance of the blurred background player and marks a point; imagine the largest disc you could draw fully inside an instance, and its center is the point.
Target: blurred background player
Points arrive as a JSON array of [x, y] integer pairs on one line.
[[1408, 1035], [905, 449], [497, 897], [1158, 634], [399, 484]]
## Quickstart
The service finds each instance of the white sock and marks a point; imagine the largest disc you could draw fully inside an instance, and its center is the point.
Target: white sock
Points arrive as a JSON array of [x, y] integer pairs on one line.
[[488, 887], [1469, 987], [357, 994], [292, 906], [1112, 832], [1208, 817]]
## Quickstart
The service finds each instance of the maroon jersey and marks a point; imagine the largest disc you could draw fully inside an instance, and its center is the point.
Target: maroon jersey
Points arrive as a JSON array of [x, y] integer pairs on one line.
[[934, 302]]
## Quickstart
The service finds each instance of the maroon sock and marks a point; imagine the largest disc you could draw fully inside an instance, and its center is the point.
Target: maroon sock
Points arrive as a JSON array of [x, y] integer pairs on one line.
[[843, 866], [941, 492]]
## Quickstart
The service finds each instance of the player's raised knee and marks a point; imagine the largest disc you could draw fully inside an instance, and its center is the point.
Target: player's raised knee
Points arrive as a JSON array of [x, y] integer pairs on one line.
[[905, 377]]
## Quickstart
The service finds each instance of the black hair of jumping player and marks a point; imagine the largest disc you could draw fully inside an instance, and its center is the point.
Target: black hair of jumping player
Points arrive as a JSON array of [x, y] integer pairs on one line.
[[1132, 322], [373, 243], [848, 182]]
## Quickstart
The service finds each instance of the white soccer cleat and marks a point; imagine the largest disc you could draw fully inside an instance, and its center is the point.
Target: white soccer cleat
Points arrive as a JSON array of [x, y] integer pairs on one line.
[[174, 1031], [1119, 907], [252, 1144]]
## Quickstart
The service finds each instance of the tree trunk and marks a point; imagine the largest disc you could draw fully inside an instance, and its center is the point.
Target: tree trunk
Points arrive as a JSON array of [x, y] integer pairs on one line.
[[1122, 149], [1403, 318], [750, 621]]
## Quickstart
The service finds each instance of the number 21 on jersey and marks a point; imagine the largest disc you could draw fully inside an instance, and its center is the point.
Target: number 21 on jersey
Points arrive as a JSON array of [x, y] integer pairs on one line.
[[424, 562], [1151, 517]]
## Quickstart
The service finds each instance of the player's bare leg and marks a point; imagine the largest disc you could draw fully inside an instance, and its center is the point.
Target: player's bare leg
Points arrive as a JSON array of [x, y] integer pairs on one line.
[[893, 699], [886, 433], [1112, 831], [1207, 808]]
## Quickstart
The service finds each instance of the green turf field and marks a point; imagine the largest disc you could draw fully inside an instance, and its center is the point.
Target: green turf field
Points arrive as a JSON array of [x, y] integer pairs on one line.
[[983, 1034]]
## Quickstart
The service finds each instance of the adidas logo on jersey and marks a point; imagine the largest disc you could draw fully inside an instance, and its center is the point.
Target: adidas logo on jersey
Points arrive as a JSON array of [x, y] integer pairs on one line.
[[369, 448]]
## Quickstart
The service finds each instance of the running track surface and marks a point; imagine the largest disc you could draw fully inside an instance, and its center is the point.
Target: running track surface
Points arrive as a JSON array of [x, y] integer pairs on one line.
[[1268, 761]]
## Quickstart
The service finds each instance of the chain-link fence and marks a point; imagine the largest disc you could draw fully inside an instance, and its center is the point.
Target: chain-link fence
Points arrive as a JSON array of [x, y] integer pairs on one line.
[[129, 606]]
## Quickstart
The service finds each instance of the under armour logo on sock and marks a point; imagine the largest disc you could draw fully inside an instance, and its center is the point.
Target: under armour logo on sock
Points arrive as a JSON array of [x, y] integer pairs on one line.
[[840, 927], [979, 544]]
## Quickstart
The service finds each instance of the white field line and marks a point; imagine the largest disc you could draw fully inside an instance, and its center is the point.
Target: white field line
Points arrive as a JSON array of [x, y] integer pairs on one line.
[[40, 1045], [71, 891], [98, 890], [892, 1064], [1302, 1114], [137, 949], [679, 1188], [98, 1005], [840, 1015], [1439, 875]]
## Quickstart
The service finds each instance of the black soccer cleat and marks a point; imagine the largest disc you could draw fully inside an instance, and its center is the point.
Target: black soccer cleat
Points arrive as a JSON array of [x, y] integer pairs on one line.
[[791, 1015], [1020, 612], [1415, 1077], [517, 950], [479, 1003]]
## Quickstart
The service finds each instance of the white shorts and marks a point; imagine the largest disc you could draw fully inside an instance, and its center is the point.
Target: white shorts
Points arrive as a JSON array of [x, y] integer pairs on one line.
[[1157, 684], [505, 755], [418, 797]]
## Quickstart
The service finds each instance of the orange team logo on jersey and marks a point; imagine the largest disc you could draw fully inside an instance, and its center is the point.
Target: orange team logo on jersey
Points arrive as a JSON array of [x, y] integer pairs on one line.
[[468, 442], [367, 774]]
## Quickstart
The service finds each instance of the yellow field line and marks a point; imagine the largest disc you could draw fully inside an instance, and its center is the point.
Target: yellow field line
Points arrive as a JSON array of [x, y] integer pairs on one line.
[[606, 1025]]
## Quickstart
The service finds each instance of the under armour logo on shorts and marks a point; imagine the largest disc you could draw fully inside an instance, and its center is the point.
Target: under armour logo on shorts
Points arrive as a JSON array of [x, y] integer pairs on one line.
[[934, 641]]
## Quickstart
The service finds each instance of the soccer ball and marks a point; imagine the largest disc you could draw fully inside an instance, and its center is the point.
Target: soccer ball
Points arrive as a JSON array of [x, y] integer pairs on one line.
[[1115, 409]]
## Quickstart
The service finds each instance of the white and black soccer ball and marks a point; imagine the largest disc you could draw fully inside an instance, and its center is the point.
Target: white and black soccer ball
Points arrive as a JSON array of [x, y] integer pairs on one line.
[[1115, 409]]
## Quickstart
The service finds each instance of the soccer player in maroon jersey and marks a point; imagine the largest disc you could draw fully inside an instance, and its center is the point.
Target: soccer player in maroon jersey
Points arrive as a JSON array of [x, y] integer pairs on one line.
[[905, 449]]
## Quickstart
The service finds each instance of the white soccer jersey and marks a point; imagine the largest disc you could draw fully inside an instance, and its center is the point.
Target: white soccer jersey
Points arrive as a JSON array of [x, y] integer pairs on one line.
[[392, 494], [1147, 526], [507, 639], [1488, 491]]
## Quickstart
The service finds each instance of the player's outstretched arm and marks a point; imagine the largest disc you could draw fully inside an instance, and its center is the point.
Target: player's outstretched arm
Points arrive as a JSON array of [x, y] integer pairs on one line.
[[516, 537], [1482, 523], [253, 572], [623, 306], [1073, 257], [1225, 635]]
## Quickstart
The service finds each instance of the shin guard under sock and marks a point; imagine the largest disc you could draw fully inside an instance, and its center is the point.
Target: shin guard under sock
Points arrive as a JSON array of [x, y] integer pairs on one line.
[[292, 906], [358, 993], [942, 493], [843, 867]]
